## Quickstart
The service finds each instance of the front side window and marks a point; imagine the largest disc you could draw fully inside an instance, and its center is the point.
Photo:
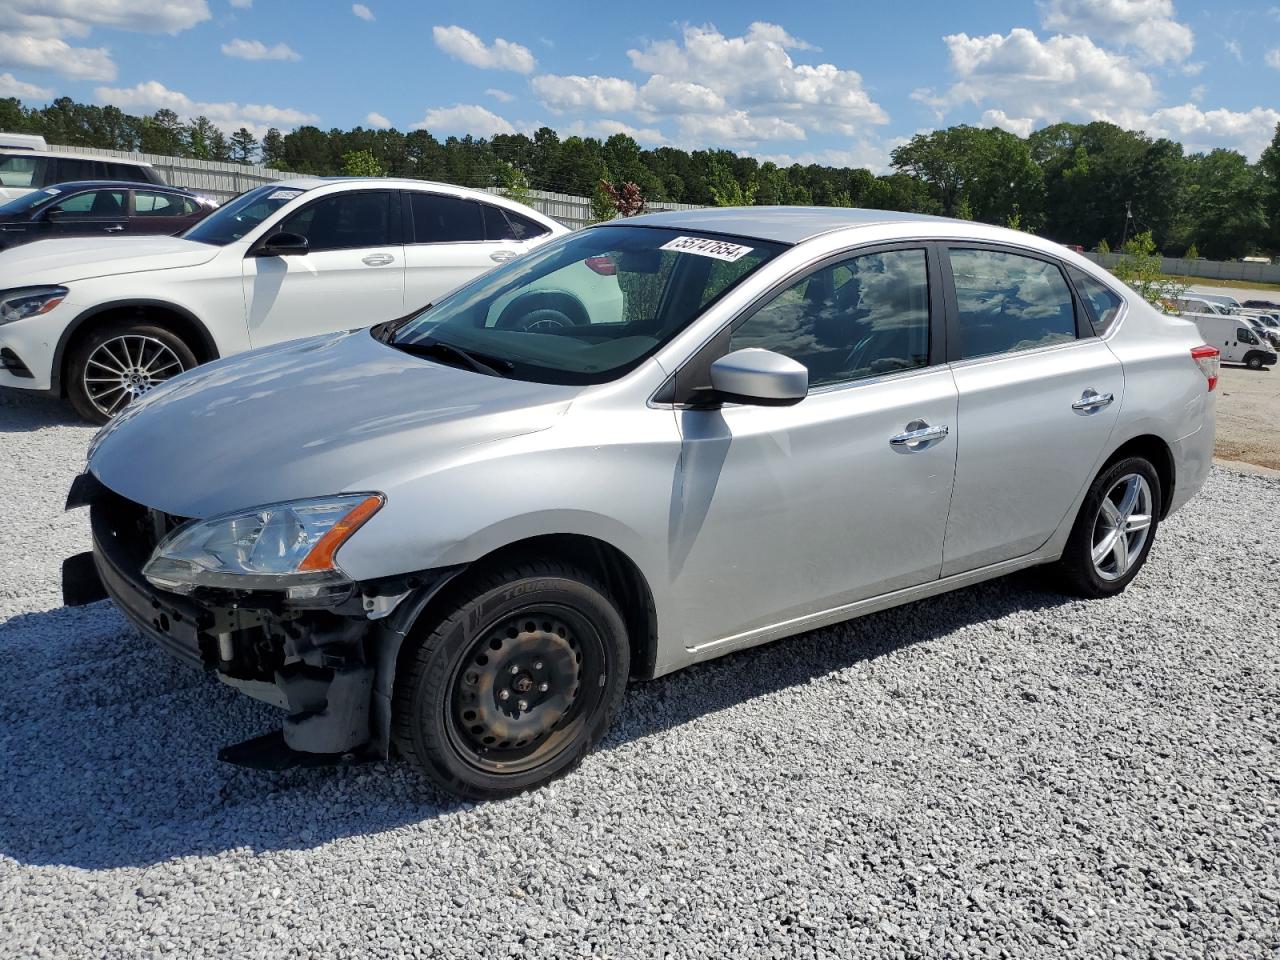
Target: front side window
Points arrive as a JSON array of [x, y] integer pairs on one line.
[[147, 203], [862, 317], [1245, 336], [237, 217], [69, 169], [1008, 302], [344, 221], [587, 307], [1101, 303], [443, 219], [93, 203]]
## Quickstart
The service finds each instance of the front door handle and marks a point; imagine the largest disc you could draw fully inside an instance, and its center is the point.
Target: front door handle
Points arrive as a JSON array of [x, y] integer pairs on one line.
[[917, 434], [502, 256], [114, 228], [1091, 400], [378, 259]]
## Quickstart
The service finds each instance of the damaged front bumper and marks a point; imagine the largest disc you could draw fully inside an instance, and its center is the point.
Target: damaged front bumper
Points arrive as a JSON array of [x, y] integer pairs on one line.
[[331, 669]]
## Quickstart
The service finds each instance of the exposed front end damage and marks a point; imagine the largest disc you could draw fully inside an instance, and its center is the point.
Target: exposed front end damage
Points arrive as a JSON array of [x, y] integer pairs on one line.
[[328, 664]]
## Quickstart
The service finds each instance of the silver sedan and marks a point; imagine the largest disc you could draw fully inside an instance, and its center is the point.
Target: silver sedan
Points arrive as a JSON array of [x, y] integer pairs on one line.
[[458, 534]]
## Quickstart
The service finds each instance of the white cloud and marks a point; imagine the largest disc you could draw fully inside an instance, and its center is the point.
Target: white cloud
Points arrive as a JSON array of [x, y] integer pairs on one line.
[[377, 120], [500, 95], [1198, 92], [1062, 78], [11, 86], [736, 126], [1248, 131], [662, 95], [142, 16], [1146, 25], [228, 116], [257, 50], [242, 4], [54, 53], [583, 94], [998, 118], [1233, 48], [1273, 58], [464, 118], [462, 44], [361, 11]]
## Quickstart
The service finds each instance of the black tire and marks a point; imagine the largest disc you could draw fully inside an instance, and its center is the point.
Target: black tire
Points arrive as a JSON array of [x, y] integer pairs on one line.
[[83, 361], [1077, 571], [545, 311], [451, 720], [1253, 361]]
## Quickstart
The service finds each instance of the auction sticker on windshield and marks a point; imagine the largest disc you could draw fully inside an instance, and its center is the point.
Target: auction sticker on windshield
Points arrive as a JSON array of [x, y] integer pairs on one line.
[[720, 249]]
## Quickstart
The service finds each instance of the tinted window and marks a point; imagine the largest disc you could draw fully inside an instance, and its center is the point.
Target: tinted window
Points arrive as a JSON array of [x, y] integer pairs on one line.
[[94, 203], [441, 219], [859, 318], [344, 220], [1009, 302], [1245, 336], [69, 168], [24, 170], [1100, 302], [149, 204], [126, 171], [524, 228], [233, 220]]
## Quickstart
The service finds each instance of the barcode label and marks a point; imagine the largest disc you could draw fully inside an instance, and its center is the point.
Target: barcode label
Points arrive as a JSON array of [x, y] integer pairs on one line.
[[719, 249]]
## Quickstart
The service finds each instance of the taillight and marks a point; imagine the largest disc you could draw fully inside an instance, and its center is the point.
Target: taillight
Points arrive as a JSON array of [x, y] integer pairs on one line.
[[602, 265], [1206, 358]]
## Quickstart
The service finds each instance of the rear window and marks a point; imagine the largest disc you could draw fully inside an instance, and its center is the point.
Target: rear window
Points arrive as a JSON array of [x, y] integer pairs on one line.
[[1101, 303], [442, 219], [1008, 302]]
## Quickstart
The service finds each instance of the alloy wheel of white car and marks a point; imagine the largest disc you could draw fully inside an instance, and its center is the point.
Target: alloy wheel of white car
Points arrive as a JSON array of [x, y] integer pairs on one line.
[[123, 368]]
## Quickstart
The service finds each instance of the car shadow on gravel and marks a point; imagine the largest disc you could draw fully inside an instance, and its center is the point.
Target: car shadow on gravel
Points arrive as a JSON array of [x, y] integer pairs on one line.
[[22, 412], [107, 747]]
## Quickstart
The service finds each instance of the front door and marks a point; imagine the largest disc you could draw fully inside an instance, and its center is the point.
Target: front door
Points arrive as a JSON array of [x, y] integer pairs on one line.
[[1039, 397], [784, 512], [351, 276], [92, 213]]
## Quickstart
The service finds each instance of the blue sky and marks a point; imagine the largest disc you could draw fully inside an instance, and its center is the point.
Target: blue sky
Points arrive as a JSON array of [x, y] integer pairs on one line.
[[837, 83]]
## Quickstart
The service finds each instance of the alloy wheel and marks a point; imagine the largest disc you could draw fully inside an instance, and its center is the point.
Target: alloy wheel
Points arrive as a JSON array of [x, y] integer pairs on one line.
[[124, 368], [1121, 527]]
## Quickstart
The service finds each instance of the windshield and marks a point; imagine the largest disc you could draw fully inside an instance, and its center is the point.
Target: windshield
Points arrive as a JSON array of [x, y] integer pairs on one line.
[[232, 221], [31, 201], [590, 306]]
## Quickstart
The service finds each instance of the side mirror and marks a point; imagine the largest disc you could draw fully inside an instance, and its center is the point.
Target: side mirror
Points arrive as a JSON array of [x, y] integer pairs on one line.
[[283, 245], [759, 377]]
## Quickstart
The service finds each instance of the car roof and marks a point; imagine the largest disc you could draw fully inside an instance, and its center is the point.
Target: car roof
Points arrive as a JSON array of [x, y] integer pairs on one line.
[[23, 151], [408, 183], [123, 184], [784, 224]]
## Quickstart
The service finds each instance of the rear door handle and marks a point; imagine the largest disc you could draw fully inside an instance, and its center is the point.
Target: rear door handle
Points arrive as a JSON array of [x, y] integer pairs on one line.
[[917, 434], [502, 256], [378, 259], [114, 228], [1091, 400]]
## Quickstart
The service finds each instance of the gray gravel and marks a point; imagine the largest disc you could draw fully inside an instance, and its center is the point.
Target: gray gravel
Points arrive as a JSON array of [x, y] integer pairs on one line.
[[1000, 772]]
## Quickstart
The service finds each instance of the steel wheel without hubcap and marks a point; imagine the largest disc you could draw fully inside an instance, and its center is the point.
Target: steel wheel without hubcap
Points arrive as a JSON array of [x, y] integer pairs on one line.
[[517, 699], [1121, 527], [125, 367]]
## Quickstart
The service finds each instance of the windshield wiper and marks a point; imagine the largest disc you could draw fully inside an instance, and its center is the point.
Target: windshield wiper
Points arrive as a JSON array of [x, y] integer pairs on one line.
[[439, 350]]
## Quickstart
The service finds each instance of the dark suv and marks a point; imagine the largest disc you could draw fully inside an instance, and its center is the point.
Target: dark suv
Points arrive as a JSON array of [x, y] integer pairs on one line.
[[94, 207]]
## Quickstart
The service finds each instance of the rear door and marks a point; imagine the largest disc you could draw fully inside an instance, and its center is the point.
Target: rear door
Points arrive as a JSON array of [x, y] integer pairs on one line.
[[451, 240], [160, 212], [1039, 395], [351, 276]]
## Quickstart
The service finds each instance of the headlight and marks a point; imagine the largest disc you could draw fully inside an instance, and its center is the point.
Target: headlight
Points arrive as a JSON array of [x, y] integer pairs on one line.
[[281, 546], [29, 302]]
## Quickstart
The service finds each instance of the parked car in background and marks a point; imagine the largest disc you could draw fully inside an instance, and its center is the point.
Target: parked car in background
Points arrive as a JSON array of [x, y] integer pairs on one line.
[[1262, 304], [461, 538], [1265, 327], [95, 207], [102, 320], [1220, 299], [1236, 339], [22, 170]]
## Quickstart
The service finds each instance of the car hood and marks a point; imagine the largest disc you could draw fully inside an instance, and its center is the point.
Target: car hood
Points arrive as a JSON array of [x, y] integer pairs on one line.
[[331, 414], [66, 260]]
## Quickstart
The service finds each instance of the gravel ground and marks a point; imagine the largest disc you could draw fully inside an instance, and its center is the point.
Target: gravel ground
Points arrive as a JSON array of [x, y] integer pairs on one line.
[[999, 772]]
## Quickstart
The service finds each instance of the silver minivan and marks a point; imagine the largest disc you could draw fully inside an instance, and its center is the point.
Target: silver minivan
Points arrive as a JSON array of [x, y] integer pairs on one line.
[[459, 534]]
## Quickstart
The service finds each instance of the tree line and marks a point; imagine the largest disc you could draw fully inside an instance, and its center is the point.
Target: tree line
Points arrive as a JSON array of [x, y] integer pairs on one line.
[[1092, 184]]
